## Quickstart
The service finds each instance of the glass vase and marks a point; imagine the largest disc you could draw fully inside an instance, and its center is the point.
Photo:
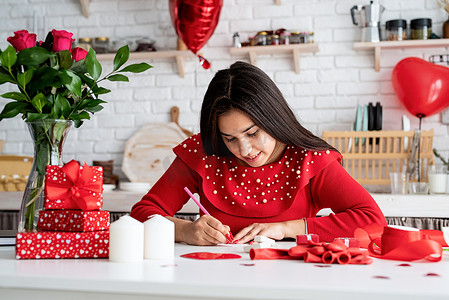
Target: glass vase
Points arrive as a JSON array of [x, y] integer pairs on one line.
[[48, 138]]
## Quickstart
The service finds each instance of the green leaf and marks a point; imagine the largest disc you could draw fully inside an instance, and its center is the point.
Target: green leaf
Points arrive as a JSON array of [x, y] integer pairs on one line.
[[39, 102], [24, 78], [33, 56], [121, 57], [75, 83], [92, 64], [80, 116], [5, 77], [35, 116], [12, 109], [15, 95], [77, 123], [100, 91], [8, 57], [136, 68], [65, 59], [87, 80], [61, 107], [94, 109], [117, 77], [47, 77], [89, 102], [79, 67]]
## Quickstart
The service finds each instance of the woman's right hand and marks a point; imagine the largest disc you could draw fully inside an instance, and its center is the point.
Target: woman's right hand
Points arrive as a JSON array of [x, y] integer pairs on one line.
[[205, 231]]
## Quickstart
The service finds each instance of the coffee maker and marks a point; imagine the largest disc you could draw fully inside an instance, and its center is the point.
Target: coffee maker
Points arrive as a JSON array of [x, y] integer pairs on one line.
[[370, 20]]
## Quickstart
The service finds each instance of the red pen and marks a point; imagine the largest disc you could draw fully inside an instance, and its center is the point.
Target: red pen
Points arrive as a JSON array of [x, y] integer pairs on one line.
[[229, 237]]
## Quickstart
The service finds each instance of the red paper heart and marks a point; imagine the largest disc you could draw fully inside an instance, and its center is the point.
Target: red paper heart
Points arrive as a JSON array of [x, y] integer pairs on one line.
[[210, 255], [421, 86]]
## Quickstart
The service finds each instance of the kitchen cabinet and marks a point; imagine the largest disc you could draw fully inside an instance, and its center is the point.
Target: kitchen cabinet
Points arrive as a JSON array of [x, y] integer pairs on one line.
[[294, 49], [378, 46], [178, 55]]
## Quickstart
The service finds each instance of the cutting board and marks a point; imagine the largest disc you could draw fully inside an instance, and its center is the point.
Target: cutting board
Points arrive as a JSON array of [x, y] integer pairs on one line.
[[148, 153]]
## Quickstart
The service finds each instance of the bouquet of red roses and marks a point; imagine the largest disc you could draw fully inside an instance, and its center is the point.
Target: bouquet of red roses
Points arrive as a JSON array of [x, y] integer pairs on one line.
[[55, 81]]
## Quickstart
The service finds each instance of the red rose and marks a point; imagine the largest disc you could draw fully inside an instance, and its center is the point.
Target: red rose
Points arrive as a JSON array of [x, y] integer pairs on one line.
[[78, 53], [22, 40], [62, 40]]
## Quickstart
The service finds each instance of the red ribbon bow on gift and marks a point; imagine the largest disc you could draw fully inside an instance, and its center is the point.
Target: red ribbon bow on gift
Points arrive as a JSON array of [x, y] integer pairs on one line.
[[79, 189]]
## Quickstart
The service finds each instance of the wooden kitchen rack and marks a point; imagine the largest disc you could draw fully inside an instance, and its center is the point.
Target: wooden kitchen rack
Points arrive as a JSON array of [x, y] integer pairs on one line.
[[370, 156], [378, 46], [293, 49]]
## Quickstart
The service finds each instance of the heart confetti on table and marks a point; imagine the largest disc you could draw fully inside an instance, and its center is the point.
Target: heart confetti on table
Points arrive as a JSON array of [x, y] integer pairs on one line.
[[210, 255]]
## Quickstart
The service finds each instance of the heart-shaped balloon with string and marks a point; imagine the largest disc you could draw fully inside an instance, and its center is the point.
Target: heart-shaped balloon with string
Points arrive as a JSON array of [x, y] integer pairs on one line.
[[195, 22], [421, 86]]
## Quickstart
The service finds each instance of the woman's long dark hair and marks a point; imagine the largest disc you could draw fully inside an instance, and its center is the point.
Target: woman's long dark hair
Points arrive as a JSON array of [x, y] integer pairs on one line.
[[247, 88]]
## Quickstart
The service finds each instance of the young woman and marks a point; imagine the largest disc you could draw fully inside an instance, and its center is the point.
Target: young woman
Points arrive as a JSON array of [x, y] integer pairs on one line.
[[257, 170]]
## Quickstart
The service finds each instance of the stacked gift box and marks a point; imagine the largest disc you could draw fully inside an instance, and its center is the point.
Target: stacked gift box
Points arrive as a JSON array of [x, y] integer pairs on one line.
[[72, 225]]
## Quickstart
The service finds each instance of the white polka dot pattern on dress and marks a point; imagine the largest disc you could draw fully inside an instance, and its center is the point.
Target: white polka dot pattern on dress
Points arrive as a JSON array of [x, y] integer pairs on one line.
[[265, 191]]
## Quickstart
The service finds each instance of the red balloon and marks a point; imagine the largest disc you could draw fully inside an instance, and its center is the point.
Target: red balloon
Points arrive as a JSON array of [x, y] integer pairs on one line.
[[422, 87], [195, 20]]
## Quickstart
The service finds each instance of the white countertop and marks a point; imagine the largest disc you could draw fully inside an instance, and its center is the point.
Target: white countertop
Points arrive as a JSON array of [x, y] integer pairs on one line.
[[392, 205], [218, 279]]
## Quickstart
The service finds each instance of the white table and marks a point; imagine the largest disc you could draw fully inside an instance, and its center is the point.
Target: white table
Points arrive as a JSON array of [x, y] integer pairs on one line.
[[218, 279]]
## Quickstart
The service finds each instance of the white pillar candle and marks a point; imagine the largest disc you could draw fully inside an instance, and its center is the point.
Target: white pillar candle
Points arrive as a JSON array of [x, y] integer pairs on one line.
[[159, 238], [437, 183], [126, 240]]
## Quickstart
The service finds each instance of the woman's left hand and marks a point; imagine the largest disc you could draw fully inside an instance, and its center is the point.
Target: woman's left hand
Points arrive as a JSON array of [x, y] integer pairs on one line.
[[274, 231]]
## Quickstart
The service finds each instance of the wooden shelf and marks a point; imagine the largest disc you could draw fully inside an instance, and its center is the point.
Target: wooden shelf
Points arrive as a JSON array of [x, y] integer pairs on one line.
[[294, 49], [377, 47], [85, 7], [179, 55]]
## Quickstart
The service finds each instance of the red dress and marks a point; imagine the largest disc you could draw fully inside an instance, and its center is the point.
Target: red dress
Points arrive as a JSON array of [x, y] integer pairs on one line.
[[297, 186]]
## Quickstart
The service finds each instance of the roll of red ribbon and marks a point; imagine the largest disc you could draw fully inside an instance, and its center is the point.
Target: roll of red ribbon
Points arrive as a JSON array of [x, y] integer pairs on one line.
[[407, 245]]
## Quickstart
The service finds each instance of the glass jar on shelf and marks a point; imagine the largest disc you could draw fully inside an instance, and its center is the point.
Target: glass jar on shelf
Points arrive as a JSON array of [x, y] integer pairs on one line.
[[311, 37], [421, 29], [396, 30], [284, 38], [262, 38], [85, 43], [101, 44], [295, 37], [304, 37], [275, 39], [145, 45]]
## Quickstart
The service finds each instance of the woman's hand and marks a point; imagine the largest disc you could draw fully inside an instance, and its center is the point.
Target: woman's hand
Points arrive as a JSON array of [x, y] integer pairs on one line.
[[205, 231], [276, 231]]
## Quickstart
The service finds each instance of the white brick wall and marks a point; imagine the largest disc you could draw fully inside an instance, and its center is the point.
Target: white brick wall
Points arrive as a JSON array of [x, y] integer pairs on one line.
[[324, 95]]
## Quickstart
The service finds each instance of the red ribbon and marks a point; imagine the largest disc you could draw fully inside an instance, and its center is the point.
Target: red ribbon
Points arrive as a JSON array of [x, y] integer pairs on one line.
[[316, 252], [78, 190], [398, 244]]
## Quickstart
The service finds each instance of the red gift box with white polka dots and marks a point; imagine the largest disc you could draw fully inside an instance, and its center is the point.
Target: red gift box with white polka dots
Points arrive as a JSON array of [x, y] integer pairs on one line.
[[52, 244], [73, 220], [55, 175]]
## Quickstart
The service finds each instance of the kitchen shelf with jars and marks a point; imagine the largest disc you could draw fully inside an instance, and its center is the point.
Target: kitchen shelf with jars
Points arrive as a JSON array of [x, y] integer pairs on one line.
[[178, 55], [378, 46], [294, 49], [280, 41]]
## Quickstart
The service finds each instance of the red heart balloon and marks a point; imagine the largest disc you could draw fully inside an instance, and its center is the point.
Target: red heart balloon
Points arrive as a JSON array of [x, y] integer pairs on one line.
[[422, 87], [195, 20]]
